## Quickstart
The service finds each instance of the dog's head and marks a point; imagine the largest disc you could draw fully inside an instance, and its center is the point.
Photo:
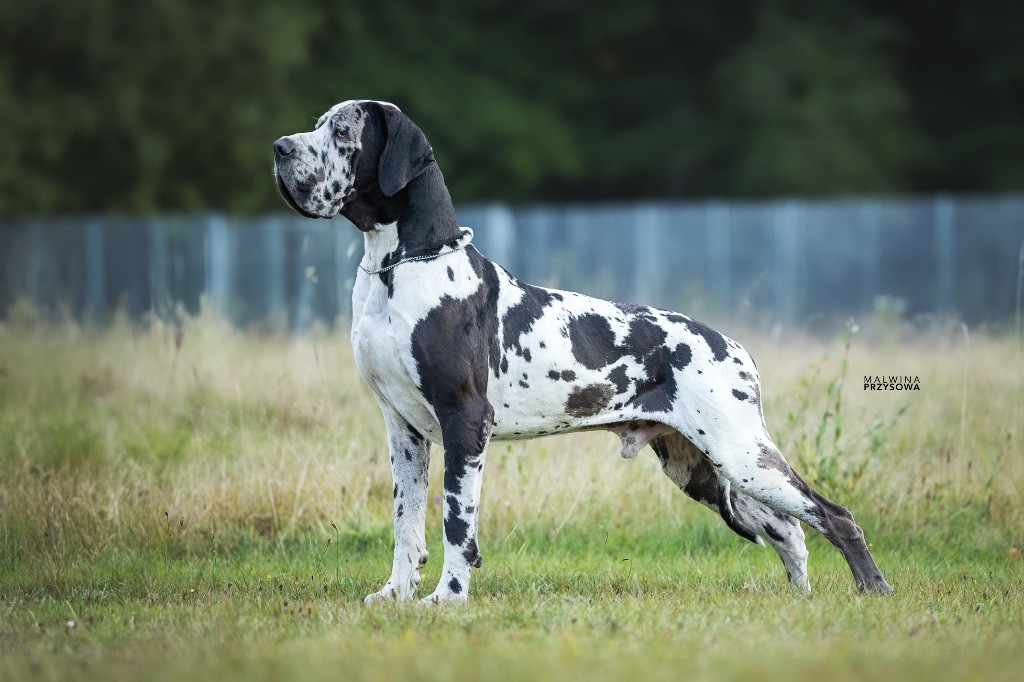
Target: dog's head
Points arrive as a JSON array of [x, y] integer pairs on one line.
[[359, 149]]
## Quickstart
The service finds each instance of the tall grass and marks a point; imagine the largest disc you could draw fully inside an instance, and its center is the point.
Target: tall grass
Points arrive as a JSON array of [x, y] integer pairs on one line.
[[196, 501], [160, 437]]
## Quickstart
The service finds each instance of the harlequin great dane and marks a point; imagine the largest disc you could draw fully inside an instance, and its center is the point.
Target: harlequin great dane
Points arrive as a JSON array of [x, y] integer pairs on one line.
[[458, 352]]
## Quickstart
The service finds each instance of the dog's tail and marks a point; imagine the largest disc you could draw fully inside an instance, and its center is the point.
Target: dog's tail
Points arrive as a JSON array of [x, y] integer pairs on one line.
[[725, 509]]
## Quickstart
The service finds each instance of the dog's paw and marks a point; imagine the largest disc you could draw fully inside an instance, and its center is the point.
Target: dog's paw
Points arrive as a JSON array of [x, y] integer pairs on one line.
[[444, 594], [878, 588], [801, 586], [395, 590], [444, 597]]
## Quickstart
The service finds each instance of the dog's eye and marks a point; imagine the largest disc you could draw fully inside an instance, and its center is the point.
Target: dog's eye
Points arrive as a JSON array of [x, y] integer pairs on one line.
[[341, 134]]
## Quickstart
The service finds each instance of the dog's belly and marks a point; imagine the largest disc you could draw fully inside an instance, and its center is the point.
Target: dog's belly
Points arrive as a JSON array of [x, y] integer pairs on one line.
[[548, 395]]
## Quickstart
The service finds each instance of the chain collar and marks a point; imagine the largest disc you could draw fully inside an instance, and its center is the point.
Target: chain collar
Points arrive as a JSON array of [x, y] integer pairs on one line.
[[465, 241]]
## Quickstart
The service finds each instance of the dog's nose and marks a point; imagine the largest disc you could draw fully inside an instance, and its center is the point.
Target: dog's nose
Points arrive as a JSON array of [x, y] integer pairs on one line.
[[283, 147]]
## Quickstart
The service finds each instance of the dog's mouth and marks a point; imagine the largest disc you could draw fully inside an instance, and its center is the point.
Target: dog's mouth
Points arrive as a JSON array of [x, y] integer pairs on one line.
[[289, 199]]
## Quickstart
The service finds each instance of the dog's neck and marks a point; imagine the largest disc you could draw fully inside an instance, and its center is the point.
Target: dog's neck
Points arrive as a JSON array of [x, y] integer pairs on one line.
[[419, 220]]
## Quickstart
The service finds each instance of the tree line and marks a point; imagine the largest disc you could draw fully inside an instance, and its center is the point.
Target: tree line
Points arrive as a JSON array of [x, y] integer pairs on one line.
[[172, 105]]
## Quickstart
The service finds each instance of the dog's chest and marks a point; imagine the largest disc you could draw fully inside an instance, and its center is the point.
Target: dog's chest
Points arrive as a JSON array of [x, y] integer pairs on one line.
[[379, 345], [384, 323]]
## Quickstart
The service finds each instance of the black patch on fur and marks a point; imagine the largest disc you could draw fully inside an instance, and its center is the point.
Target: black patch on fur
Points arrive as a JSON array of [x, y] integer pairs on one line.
[[519, 319], [472, 553], [388, 277], [726, 511], [740, 395], [593, 342], [643, 336], [618, 377], [455, 528], [414, 436], [715, 341], [655, 392], [593, 346], [703, 483], [773, 534], [455, 586], [487, 315], [451, 274], [568, 375], [770, 458], [682, 356], [589, 400]]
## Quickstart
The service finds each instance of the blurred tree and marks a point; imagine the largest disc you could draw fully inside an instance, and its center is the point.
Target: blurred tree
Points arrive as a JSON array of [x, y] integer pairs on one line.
[[441, 62], [144, 105], [137, 106], [810, 104], [962, 66]]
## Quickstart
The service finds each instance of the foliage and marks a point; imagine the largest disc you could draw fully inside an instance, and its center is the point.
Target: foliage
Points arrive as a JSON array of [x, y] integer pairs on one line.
[[833, 464], [111, 105]]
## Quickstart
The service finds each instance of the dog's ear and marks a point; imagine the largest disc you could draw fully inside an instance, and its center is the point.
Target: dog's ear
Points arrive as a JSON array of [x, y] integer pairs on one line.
[[406, 152]]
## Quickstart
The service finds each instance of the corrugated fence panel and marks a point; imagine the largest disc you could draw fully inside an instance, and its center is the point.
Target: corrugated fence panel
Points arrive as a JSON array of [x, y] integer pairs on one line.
[[790, 260]]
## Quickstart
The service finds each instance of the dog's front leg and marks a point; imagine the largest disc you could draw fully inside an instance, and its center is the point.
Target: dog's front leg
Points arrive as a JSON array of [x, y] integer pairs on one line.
[[466, 431], [410, 461]]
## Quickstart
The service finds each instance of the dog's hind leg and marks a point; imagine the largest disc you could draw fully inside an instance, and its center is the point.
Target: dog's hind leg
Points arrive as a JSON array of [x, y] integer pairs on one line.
[[745, 454], [691, 471], [694, 474], [779, 530], [410, 461]]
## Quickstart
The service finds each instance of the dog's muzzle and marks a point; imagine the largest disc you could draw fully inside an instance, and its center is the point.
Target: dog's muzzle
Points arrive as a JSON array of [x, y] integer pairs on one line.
[[286, 192]]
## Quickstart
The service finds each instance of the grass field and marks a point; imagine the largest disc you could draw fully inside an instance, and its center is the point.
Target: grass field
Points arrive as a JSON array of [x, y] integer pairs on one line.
[[217, 508]]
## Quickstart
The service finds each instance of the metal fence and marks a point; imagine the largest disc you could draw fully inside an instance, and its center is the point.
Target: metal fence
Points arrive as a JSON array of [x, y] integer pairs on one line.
[[787, 260]]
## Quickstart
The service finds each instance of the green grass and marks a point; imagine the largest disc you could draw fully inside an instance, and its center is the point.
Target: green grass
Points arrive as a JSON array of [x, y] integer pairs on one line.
[[218, 511]]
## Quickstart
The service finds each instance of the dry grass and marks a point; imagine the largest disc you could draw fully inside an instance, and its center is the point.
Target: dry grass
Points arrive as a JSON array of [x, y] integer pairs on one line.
[[133, 467]]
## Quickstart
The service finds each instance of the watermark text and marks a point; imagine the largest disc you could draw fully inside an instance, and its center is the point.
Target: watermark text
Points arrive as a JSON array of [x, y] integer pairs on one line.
[[891, 382]]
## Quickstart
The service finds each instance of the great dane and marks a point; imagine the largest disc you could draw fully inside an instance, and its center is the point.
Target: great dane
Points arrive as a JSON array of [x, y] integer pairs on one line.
[[458, 352]]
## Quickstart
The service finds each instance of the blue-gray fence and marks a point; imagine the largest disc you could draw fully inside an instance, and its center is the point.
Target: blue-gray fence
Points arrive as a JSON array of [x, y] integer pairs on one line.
[[790, 260]]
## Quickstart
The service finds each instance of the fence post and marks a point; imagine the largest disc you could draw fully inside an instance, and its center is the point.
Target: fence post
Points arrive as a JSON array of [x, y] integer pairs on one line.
[[646, 263], [303, 318], [159, 297], [945, 255], [500, 225], [344, 246], [787, 259], [719, 250], [218, 264], [272, 232], [870, 252], [95, 274]]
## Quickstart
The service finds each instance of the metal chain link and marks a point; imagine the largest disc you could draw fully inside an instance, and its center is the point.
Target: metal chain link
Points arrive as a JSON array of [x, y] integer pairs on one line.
[[412, 258]]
